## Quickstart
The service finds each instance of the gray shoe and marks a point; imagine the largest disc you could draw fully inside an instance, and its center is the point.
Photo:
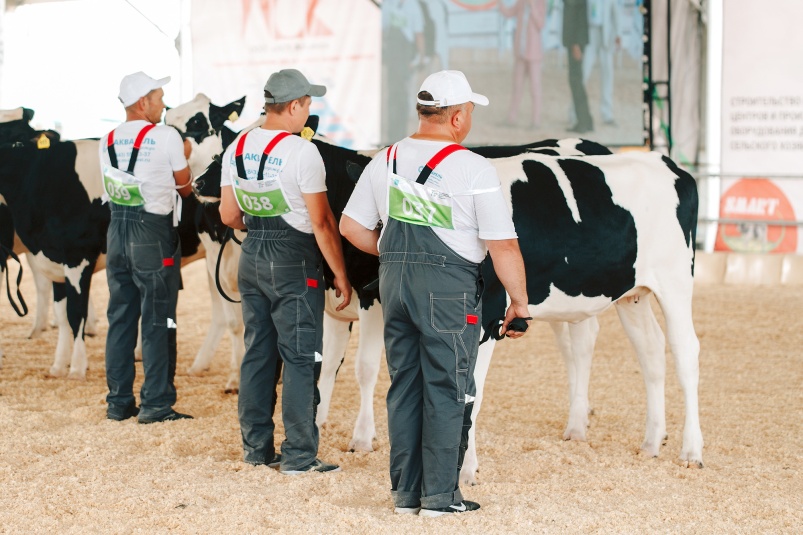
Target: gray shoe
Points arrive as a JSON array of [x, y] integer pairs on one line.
[[169, 417], [316, 466]]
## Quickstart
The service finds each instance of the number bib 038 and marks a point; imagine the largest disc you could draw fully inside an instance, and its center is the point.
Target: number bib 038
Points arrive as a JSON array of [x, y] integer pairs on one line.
[[121, 187], [417, 204], [260, 199]]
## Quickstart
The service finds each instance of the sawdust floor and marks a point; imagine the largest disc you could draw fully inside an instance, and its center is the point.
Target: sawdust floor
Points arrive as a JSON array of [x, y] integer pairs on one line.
[[64, 468]]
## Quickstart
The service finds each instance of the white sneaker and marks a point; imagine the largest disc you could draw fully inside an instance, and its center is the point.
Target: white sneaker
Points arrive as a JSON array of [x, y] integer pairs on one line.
[[407, 510]]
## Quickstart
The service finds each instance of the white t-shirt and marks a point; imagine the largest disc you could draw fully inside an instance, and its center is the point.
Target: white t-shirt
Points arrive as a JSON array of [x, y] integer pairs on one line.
[[484, 216], [160, 155], [300, 165]]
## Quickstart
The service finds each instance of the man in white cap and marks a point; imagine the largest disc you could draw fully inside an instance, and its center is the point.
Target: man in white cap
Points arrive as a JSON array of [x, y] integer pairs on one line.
[[274, 184], [144, 166], [440, 209]]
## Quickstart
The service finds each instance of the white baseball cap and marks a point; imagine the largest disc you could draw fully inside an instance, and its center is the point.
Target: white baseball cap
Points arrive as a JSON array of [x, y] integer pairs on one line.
[[449, 88], [137, 85]]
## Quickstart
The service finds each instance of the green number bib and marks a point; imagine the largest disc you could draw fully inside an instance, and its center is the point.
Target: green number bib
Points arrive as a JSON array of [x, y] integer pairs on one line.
[[259, 199], [419, 205], [122, 188]]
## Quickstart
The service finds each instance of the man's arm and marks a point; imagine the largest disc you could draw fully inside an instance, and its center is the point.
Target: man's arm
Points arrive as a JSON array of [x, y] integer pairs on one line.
[[324, 227], [363, 239], [183, 180], [509, 267], [230, 212]]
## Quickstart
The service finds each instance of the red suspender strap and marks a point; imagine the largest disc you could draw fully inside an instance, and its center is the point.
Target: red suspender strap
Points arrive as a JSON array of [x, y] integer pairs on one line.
[[435, 160], [137, 144], [110, 150], [238, 154], [273, 142]]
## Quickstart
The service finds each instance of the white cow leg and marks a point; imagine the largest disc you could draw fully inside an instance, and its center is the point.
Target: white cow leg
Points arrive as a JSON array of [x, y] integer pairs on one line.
[[583, 337], [336, 335], [686, 350], [91, 327], [65, 341], [44, 296], [564, 341], [138, 347], [213, 334], [470, 461], [648, 340], [78, 280], [233, 313], [366, 367]]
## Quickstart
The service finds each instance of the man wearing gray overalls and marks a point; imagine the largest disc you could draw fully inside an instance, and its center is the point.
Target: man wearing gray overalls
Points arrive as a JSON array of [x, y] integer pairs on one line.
[[143, 167], [440, 207], [274, 184]]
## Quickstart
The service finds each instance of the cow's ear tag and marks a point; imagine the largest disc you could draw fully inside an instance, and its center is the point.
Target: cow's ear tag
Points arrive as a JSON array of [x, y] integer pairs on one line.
[[234, 116], [307, 133], [43, 142]]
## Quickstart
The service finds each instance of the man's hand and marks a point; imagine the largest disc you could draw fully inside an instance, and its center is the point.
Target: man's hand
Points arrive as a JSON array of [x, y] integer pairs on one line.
[[342, 288], [514, 311]]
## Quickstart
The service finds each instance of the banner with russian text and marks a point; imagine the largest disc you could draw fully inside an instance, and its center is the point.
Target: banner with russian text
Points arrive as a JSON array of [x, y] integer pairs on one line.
[[762, 127], [237, 44]]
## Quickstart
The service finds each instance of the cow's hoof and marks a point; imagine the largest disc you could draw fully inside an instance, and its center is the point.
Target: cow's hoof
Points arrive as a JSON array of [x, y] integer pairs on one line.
[[35, 333], [77, 376], [231, 390], [467, 478], [57, 372], [196, 372], [361, 445], [691, 461], [650, 449], [574, 434]]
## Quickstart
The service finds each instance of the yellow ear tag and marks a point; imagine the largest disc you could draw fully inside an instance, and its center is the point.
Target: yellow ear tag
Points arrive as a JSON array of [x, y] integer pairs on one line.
[[307, 133], [234, 116], [43, 142]]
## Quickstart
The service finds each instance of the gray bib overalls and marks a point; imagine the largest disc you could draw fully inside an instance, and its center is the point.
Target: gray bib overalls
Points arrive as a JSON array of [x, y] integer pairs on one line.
[[431, 301], [282, 290]]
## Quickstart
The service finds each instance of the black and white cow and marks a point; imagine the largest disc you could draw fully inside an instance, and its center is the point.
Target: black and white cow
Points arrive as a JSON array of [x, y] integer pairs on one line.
[[54, 195], [595, 230]]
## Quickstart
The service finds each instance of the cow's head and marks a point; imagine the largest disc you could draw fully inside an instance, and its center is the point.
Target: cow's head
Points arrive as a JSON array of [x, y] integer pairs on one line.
[[15, 129], [201, 122]]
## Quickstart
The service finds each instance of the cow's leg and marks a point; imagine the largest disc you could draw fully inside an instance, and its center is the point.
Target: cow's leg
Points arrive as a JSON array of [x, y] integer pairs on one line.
[[648, 340], [44, 296], [78, 282], [234, 320], [336, 335], [470, 461], [64, 345], [582, 337], [91, 327], [366, 367], [685, 347], [213, 334]]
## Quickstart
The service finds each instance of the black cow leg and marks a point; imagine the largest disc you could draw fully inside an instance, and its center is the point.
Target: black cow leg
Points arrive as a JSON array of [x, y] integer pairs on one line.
[[77, 306]]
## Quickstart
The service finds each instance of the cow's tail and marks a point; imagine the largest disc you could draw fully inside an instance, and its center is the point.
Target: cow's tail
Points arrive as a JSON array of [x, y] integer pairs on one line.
[[6, 253]]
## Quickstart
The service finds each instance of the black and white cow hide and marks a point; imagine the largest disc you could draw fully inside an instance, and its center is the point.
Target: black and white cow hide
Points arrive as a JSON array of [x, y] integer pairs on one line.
[[54, 196]]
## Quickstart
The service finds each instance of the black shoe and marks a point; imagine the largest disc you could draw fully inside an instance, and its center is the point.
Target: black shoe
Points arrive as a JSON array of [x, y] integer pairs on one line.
[[316, 466], [277, 460], [461, 507], [169, 417], [129, 412]]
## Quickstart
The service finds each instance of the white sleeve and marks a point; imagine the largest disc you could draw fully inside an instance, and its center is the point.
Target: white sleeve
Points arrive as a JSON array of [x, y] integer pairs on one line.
[[493, 215], [362, 206], [174, 146], [311, 171], [227, 166]]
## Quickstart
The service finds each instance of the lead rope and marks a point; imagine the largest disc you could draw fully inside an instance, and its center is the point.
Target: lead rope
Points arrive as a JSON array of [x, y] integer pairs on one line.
[[13, 255], [228, 235]]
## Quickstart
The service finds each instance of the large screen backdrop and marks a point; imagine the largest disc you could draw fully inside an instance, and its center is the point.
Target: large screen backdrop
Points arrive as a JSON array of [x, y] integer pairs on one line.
[[512, 51]]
